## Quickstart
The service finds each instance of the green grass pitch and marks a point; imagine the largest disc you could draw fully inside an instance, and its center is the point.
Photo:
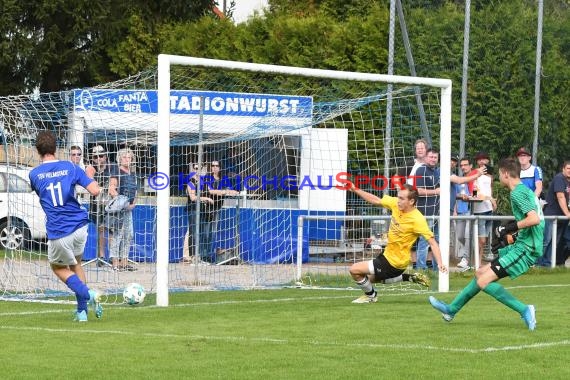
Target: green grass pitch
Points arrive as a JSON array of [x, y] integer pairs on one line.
[[295, 334]]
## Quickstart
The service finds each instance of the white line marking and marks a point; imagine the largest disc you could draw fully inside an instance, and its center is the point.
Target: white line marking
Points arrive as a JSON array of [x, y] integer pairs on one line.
[[287, 341], [270, 300], [411, 347]]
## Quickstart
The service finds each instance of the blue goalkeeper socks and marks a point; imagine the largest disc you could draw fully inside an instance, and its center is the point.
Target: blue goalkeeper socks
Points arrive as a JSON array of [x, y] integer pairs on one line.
[[81, 292]]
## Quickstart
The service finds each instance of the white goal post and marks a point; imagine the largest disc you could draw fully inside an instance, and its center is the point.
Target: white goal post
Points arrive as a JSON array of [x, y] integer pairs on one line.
[[163, 146]]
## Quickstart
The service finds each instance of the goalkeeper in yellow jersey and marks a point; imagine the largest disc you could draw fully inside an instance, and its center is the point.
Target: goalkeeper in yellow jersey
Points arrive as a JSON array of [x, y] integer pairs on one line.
[[519, 246], [406, 225]]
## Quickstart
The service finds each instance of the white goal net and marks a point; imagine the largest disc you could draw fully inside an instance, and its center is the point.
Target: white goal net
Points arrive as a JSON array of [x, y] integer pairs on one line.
[[267, 143]]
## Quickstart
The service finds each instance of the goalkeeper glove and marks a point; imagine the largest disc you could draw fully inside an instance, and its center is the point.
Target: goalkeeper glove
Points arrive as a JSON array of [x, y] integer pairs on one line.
[[502, 242], [509, 228], [506, 234], [497, 244]]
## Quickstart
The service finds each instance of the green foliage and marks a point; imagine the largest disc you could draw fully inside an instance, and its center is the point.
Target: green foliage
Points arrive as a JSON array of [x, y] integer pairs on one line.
[[503, 196], [136, 51], [349, 36], [56, 44]]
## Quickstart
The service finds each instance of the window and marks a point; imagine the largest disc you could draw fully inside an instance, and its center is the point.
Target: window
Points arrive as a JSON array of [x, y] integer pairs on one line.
[[17, 184]]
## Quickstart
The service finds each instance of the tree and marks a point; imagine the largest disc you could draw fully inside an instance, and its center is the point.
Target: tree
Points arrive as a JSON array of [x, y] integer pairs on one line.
[[352, 36], [58, 44], [54, 45]]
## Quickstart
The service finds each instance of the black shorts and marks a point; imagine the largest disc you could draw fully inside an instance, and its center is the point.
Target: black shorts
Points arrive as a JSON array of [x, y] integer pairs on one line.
[[498, 268], [383, 270]]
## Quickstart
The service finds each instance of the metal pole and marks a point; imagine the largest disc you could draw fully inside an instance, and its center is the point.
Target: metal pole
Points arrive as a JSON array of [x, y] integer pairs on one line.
[[537, 80], [163, 196], [299, 271], [410, 57], [463, 122], [445, 183], [388, 142], [197, 256]]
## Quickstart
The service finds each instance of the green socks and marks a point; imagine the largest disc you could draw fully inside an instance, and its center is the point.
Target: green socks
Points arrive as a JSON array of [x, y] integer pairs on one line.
[[494, 289], [464, 296], [499, 293]]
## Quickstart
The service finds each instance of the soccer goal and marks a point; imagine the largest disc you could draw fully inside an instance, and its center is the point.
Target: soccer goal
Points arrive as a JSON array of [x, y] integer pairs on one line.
[[281, 138], [355, 123]]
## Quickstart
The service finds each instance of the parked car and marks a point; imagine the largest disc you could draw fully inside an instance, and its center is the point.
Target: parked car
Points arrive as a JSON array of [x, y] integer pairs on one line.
[[22, 219]]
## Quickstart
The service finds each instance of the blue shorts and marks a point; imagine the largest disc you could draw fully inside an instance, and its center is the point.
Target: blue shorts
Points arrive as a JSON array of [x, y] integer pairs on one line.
[[485, 225]]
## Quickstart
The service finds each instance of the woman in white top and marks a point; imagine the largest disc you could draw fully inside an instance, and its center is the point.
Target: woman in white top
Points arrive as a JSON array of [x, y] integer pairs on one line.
[[484, 187]]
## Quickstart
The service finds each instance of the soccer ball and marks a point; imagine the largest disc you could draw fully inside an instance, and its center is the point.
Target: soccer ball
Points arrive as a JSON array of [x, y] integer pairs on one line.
[[134, 294]]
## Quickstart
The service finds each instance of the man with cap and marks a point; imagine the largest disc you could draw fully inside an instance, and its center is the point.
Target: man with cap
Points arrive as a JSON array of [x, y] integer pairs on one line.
[[531, 176], [482, 158], [106, 175], [454, 163]]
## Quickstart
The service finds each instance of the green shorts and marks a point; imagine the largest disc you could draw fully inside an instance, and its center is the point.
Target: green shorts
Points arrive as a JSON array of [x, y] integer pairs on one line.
[[516, 259]]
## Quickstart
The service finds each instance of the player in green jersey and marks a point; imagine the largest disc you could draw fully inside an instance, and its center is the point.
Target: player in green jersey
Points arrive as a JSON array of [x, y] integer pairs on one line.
[[515, 258]]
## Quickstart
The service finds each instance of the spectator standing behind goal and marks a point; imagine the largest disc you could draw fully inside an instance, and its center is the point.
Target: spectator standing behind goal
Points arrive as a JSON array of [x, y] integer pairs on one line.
[[557, 204], [54, 182], [76, 156], [427, 182], [218, 190], [459, 206], [203, 242], [483, 190], [531, 176], [188, 255], [406, 173], [420, 151], [513, 260], [406, 224], [119, 212], [105, 174]]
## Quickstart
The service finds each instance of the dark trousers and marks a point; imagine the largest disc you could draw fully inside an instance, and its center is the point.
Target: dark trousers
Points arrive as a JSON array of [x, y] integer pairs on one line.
[[204, 241], [560, 243]]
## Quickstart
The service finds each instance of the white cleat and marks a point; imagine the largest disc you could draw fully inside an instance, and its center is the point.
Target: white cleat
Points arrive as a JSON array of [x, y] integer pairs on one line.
[[367, 299]]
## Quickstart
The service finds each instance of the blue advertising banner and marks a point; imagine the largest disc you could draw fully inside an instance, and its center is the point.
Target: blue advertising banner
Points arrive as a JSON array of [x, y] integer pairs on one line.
[[188, 103]]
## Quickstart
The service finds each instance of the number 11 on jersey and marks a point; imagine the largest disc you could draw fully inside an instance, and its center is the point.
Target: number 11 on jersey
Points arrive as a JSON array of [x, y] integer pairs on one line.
[[56, 189]]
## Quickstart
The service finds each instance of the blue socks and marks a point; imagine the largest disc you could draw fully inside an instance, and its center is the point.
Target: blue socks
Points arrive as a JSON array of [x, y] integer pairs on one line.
[[81, 292]]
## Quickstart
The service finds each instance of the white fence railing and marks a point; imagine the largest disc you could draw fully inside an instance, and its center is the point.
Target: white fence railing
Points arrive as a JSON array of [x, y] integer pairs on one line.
[[471, 220]]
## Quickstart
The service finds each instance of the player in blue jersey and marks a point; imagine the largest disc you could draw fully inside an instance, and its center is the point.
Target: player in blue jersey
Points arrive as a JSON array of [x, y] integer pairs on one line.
[[54, 181], [531, 175]]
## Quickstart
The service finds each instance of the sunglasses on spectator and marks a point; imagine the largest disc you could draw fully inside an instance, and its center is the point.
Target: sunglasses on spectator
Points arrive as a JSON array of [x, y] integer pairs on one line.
[[76, 154], [99, 156], [215, 165]]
